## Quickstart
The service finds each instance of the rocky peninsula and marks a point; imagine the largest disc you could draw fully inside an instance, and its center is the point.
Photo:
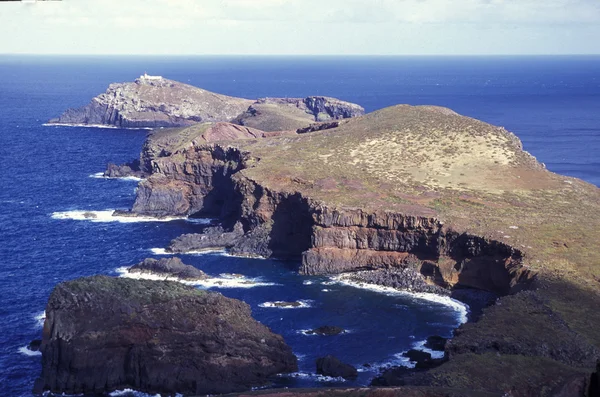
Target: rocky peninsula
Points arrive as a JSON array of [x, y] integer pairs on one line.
[[426, 199], [453, 199], [103, 334], [154, 102]]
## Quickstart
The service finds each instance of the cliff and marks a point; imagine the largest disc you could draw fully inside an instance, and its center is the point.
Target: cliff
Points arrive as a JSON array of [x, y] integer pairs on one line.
[[422, 188], [103, 334], [158, 102], [149, 103]]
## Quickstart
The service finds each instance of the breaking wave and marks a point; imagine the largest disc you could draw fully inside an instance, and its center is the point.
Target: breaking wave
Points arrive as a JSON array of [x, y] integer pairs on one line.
[[107, 216], [222, 281], [100, 175], [25, 350], [461, 309], [299, 304]]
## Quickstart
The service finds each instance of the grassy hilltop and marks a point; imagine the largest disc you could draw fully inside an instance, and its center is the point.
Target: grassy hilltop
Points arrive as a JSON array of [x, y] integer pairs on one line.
[[476, 179]]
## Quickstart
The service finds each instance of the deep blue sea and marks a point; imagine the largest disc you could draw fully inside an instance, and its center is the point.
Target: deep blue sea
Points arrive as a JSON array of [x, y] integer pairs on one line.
[[551, 103]]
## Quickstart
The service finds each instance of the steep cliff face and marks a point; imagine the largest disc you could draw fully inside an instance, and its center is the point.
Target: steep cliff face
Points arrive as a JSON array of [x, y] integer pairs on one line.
[[204, 180], [418, 191], [152, 103], [103, 334]]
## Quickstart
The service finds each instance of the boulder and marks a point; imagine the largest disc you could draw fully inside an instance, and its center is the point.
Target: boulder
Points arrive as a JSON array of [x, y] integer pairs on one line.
[[331, 366], [168, 267], [103, 334], [436, 342], [327, 330], [34, 345], [130, 169]]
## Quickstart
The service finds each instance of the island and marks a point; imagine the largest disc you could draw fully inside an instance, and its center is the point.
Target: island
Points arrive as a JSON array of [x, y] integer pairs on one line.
[[440, 201], [155, 101]]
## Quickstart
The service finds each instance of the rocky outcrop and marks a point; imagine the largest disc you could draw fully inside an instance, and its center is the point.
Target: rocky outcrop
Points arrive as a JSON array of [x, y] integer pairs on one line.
[[401, 278], [326, 330], [291, 114], [152, 103], [130, 169], [168, 267], [253, 243], [102, 334], [332, 366]]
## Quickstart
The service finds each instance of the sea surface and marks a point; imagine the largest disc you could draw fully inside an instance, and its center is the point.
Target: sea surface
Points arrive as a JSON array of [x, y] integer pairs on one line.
[[47, 174]]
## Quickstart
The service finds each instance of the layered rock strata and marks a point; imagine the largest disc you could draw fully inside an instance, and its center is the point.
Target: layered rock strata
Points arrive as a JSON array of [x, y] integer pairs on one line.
[[378, 191], [103, 334]]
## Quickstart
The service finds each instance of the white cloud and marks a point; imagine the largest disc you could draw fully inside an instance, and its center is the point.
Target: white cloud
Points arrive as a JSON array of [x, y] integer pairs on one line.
[[301, 26]]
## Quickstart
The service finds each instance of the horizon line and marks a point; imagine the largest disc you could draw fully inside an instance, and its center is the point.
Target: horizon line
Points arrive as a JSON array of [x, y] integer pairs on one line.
[[300, 55]]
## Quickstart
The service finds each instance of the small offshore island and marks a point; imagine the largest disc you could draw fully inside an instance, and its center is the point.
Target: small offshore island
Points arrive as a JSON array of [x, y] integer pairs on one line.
[[412, 197]]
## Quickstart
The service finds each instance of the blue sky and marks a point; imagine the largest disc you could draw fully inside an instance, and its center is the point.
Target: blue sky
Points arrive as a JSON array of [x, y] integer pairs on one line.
[[370, 27]]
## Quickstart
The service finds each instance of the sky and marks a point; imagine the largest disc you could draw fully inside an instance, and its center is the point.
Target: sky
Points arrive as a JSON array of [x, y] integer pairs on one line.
[[300, 27]]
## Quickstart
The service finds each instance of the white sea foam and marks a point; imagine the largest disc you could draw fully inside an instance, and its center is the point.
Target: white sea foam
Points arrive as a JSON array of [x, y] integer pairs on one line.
[[302, 304], [39, 319], [223, 281], [113, 127], [163, 251], [307, 282], [229, 254], [100, 175], [25, 350], [434, 353], [318, 378], [107, 216], [200, 221], [461, 309], [135, 393]]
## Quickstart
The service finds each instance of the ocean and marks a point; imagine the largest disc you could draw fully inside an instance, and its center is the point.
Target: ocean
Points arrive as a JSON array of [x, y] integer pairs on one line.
[[49, 173]]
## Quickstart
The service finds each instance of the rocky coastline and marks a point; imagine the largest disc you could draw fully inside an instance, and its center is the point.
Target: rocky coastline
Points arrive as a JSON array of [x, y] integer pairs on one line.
[[435, 219], [157, 102]]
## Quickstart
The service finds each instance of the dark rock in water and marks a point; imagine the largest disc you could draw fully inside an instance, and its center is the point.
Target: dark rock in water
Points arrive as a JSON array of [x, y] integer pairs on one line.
[[392, 377], [287, 304], [171, 267], [212, 238], [327, 330], [406, 278], [417, 355], [437, 343], [253, 243], [331, 366], [34, 345], [89, 215], [131, 169], [102, 334], [423, 360]]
